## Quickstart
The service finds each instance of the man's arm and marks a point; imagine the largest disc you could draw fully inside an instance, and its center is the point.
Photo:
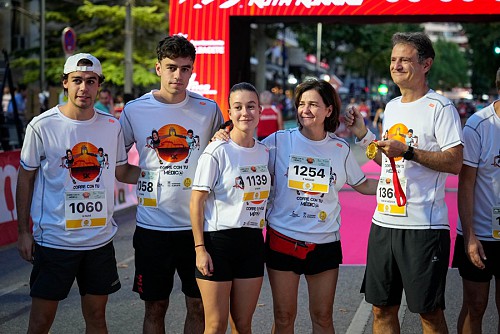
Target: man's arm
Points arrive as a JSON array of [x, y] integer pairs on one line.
[[466, 185], [24, 196], [127, 173], [448, 161]]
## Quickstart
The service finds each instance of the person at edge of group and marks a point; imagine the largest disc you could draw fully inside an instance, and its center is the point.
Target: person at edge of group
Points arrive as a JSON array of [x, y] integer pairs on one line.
[[271, 119], [303, 217], [163, 240], [105, 102], [228, 205], [478, 230], [409, 245], [71, 206]]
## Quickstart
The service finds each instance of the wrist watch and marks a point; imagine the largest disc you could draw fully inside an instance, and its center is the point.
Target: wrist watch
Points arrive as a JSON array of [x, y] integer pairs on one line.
[[409, 154]]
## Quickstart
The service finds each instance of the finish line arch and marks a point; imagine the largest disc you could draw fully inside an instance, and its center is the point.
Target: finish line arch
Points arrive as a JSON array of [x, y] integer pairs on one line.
[[218, 28]]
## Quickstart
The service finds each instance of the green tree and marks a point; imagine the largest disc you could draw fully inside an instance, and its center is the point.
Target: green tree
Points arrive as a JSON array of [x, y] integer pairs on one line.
[[364, 49], [450, 67], [100, 31], [484, 63]]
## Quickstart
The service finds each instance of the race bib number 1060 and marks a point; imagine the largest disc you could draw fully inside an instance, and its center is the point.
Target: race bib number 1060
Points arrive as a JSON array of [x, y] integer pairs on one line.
[[85, 209]]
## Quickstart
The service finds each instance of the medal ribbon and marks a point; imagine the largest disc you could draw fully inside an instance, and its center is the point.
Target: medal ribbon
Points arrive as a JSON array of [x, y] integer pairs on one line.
[[371, 152], [398, 191]]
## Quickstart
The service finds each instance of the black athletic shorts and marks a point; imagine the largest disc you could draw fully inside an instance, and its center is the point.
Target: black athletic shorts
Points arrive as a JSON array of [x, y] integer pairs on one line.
[[55, 270], [324, 257], [413, 260], [235, 253], [158, 254], [469, 271]]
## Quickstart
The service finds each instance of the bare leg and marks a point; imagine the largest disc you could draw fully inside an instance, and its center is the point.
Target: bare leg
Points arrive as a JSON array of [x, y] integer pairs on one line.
[[321, 289], [475, 301], [94, 313], [215, 297], [195, 319], [284, 286], [497, 301], [42, 315], [385, 319], [244, 297], [434, 322], [154, 317]]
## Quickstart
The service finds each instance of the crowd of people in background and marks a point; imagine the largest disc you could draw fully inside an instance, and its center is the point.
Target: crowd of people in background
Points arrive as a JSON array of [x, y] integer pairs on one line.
[[207, 188]]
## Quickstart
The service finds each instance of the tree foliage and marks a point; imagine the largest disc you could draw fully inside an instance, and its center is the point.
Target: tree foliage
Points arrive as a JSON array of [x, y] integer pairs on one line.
[[365, 52], [100, 31], [484, 63], [450, 67]]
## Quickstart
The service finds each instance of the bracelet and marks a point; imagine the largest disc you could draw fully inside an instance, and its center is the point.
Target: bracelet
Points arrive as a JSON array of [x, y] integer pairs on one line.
[[367, 139], [200, 245]]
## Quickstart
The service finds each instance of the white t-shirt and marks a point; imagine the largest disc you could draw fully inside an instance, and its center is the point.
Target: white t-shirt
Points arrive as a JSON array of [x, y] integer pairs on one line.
[[68, 206], [304, 215], [238, 181], [431, 123], [482, 151], [184, 130]]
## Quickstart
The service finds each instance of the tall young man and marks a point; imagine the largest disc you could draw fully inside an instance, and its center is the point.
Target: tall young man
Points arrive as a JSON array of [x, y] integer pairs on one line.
[[160, 124]]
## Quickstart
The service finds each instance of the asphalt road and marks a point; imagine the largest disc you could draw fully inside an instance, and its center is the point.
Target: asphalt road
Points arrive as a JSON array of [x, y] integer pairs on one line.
[[352, 315], [125, 310]]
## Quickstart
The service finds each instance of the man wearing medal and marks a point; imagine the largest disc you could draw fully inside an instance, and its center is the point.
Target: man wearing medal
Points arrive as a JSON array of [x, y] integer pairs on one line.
[[409, 242], [71, 199]]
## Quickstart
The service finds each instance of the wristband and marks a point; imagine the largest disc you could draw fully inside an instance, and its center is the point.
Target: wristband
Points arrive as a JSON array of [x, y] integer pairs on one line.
[[200, 245], [366, 140]]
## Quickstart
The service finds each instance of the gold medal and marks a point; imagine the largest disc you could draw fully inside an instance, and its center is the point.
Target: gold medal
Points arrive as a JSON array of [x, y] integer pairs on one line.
[[371, 150]]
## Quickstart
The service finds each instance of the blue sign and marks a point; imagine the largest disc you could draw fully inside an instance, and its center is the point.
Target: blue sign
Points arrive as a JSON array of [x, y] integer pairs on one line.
[[69, 41]]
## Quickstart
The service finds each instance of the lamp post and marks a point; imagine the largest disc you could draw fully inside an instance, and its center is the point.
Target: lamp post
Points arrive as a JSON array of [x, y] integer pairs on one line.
[[129, 65], [319, 32], [42, 46], [37, 17]]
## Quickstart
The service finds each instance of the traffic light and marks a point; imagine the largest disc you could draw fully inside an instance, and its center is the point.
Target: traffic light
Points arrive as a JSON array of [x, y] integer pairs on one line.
[[383, 89], [496, 47]]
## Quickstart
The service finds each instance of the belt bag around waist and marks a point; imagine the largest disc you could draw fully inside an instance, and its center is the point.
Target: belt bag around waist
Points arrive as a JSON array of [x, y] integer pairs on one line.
[[282, 244]]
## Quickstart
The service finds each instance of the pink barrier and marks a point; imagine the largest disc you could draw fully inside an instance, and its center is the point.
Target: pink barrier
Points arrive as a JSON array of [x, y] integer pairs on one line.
[[357, 212], [9, 166]]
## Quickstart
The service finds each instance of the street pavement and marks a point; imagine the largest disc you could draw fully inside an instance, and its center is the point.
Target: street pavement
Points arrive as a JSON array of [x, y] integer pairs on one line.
[[352, 315], [125, 311]]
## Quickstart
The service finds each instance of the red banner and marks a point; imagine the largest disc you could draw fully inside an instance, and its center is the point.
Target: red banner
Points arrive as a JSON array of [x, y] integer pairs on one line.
[[9, 166]]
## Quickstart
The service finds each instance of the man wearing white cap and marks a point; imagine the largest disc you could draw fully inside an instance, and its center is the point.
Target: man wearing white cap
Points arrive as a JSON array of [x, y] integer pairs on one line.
[[69, 192]]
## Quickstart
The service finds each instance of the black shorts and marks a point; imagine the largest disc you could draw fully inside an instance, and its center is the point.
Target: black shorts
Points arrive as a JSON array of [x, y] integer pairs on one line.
[[324, 257], [158, 254], [469, 271], [55, 270], [235, 253], [413, 260]]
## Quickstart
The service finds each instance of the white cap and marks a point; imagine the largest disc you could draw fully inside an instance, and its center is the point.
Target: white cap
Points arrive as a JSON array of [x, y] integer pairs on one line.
[[71, 64]]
